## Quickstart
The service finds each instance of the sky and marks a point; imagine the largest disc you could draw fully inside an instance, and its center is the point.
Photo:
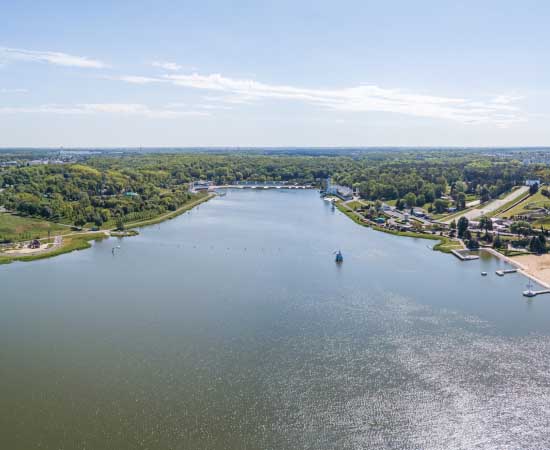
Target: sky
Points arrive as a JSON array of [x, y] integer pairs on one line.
[[275, 73]]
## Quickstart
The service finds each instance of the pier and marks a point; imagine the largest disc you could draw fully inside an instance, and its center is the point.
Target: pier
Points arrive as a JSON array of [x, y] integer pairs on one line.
[[463, 257], [252, 185], [531, 293], [501, 273]]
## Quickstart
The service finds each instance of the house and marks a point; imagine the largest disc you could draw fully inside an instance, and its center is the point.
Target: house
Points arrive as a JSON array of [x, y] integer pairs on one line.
[[344, 192], [532, 182], [131, 194], [202, 185]]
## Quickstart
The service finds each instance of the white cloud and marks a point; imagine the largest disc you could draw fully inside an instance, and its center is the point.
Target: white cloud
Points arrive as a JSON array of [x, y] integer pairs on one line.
[[166, 65], [506, 99], [361, 98], [56, 58], [213, 106], [136, 79], [125, 109]]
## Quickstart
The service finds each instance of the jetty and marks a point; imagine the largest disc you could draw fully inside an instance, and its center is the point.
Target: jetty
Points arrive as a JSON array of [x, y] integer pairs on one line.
[[501, 273], [464, 257], [531, 293]]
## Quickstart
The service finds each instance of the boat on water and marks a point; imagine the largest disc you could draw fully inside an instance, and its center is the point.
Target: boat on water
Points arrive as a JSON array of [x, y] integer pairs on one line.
[[339, 258], [483, 274]]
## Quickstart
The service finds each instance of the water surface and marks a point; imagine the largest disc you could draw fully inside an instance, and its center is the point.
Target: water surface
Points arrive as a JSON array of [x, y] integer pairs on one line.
[[231, 327]]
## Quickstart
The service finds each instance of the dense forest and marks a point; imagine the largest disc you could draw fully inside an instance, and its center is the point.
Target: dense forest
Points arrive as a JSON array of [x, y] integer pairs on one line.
[[107, 188]]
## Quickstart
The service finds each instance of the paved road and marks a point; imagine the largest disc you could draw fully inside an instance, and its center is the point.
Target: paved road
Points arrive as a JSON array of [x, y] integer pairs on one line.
[[492, 206]]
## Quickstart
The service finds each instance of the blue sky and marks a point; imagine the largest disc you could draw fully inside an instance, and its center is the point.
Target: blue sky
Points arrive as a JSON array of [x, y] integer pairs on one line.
[[213, 73]]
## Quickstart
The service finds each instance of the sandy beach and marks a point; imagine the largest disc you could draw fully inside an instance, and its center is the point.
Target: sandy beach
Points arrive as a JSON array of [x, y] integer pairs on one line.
[[538, 266]]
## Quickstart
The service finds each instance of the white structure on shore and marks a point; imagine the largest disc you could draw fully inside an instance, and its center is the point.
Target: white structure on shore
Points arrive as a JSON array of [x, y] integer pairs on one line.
[[344, 192]]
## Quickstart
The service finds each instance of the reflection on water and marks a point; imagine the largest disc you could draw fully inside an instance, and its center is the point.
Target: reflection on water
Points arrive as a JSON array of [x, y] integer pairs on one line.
[[231, 327]]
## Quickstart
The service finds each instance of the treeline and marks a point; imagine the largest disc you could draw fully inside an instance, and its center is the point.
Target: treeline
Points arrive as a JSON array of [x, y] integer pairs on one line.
[[110, 188], [80, 194]]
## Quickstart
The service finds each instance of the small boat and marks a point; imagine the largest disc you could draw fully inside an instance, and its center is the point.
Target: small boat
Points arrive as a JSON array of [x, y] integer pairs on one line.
[[483, 274], [339, 257]]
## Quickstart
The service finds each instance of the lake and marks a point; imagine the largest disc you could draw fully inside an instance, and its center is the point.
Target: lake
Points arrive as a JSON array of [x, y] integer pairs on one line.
[[231, 327]]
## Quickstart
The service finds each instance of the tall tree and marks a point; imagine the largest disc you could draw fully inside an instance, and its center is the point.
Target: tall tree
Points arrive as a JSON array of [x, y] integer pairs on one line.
[[462, 226]]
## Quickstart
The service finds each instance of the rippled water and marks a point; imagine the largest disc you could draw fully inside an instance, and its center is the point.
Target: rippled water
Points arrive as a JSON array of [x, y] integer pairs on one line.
[[231, 327]]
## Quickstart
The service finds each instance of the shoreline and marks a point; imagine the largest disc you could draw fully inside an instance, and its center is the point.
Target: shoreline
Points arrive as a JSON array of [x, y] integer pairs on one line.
[[534, 273], [75, 241], [444, 245], [526, 271]]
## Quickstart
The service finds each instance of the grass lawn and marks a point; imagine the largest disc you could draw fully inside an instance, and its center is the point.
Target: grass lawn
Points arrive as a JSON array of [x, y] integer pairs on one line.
[[529, 202], [447, 245], [544, 222], [19, 228], [354, 205]]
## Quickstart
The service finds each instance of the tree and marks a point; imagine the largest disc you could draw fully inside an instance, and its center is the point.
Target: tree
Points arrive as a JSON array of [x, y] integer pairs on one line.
[[119, 224], [440, 205], [497, 243], [520, 228], [536, 245], [472, 244], [533, 188], [461, 200], [485, 195], [485, 223], [462, 226], [410, 199], [452, 225]]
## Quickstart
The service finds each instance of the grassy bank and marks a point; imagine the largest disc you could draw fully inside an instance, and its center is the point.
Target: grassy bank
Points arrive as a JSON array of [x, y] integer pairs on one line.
[[510, 206], [74, 242], [70, 244], [17, 228], [142, 223], [445, 245]]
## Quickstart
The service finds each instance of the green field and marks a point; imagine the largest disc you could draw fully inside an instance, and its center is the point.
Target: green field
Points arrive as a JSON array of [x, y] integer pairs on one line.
[[16, 228], [529, 203]]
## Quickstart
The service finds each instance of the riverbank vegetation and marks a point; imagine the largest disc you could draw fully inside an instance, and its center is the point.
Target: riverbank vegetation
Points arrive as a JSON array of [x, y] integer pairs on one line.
[[122, 190]]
